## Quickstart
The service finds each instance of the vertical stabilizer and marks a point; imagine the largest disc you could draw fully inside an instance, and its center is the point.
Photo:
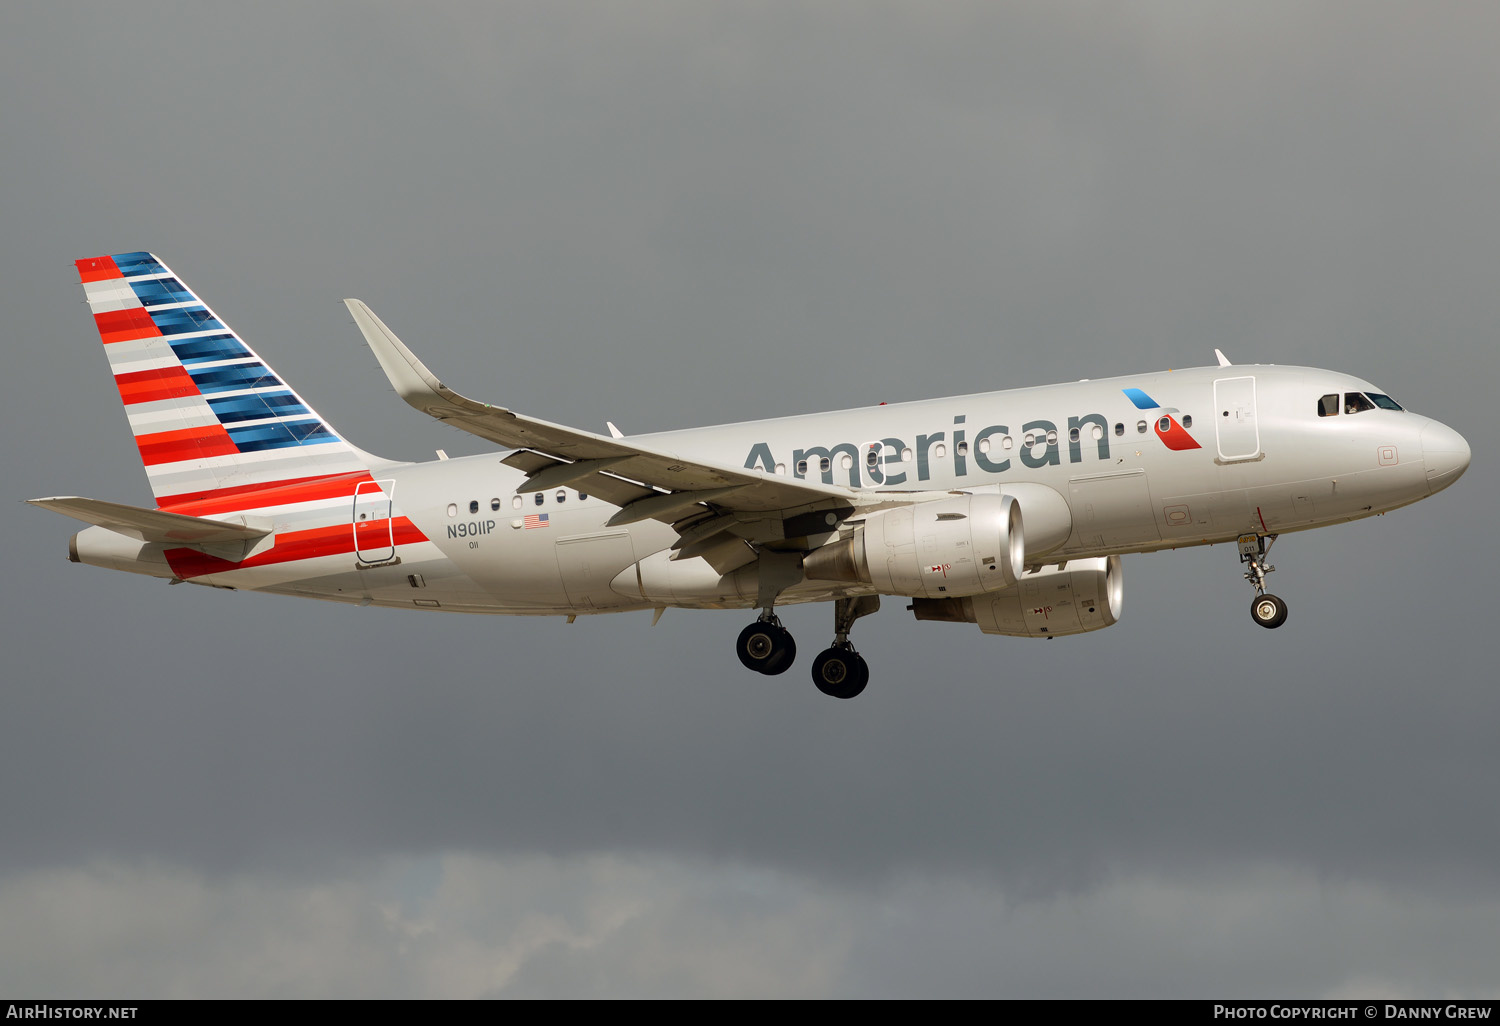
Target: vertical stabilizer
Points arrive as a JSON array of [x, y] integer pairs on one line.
[[209, 416]]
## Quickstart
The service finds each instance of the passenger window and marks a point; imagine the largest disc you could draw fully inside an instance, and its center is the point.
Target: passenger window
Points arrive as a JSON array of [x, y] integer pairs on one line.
[[540, 498], [1187, 420], [1165, 424], [1119, 430], [1073, 435], [1328, 406], [1355, 402], [801, 468], [515, 502], [453, 509], [825, 464], [473, 505], [872, 459], [561, 496], [494, 504], [585, 495], [962, 448], [1140, 427]]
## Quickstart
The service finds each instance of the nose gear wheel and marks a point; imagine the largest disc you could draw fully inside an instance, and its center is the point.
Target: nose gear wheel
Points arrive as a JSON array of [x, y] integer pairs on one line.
[[1267, 610]]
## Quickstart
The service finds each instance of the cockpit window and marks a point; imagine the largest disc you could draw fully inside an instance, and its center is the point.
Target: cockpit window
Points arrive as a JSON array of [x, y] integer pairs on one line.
[[1355, 402], [1385, 402], [1328, 406]]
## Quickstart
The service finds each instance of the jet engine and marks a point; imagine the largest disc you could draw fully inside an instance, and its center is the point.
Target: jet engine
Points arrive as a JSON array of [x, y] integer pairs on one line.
[[966, 545], [1079, 596]]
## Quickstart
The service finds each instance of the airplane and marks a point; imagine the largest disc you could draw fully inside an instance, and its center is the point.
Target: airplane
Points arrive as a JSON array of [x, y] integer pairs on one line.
[[1009, 510]]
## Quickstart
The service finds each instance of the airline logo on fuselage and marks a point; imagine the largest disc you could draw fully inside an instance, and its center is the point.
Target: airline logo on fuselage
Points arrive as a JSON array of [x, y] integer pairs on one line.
[[1172, 434], [869, 461]]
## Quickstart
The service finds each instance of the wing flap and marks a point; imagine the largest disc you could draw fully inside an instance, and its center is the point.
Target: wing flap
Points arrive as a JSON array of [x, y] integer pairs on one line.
[[728, 555], [614, 490]]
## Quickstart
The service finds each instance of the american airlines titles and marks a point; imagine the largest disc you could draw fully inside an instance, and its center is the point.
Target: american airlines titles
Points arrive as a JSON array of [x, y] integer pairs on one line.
[[868, 461]]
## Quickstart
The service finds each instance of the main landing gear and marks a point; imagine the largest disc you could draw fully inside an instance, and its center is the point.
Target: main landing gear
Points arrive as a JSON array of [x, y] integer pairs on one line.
[[1267, 610], [839, 671], [766, 646]]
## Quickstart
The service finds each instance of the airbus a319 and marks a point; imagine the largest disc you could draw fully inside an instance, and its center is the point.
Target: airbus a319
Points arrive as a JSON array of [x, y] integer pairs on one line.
[[1009, 510]]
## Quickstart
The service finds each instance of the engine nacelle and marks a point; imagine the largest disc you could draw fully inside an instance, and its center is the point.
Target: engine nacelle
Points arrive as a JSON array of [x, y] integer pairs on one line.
[[966, 545], [1085, 595]]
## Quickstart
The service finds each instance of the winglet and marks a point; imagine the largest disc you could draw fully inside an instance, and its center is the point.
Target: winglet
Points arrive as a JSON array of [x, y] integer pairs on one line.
[[1223, 360], [410, 376]]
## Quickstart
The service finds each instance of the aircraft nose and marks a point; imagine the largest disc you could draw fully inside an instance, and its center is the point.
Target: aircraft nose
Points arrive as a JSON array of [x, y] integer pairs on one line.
[[1445, 453]]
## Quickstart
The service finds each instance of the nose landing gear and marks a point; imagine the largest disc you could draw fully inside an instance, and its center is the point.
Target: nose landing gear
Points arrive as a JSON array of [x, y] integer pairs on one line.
[[1267, 610]]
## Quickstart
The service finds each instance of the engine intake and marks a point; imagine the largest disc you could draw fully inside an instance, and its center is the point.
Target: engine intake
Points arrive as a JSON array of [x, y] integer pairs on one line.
[[966, 545]]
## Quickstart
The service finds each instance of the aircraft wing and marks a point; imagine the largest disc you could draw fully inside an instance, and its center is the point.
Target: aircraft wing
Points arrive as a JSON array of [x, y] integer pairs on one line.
[[646, 483]]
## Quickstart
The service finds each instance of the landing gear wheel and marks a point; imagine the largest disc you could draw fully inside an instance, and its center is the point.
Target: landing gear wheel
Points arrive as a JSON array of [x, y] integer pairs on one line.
[[1268, 611], [840, 672], [766, 647], [781, 660]]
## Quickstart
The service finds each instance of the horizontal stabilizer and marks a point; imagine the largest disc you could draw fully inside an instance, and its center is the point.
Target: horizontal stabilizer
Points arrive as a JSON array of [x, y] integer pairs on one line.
[[153, 525]]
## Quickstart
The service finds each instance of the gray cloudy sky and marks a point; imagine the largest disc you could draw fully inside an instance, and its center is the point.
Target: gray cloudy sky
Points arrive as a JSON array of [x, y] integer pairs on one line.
[[668, 214]]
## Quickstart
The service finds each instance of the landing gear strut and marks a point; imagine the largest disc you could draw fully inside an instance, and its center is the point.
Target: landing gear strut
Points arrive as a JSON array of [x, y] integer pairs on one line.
[[766, 646], [1267, 610], [839, 671]]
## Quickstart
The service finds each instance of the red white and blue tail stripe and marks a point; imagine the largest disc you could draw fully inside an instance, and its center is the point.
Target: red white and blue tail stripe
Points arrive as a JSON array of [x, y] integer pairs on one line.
[[208, 414]]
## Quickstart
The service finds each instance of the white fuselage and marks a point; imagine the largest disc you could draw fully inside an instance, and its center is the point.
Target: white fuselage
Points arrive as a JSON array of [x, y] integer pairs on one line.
[[1253, 455]]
